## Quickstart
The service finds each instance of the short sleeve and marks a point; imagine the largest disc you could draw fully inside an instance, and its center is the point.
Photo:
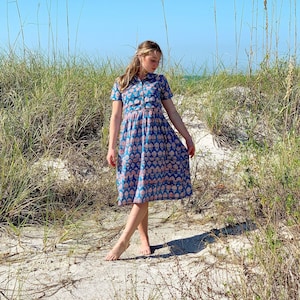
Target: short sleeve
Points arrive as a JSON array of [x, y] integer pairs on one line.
[[166, 92], [116, 94]]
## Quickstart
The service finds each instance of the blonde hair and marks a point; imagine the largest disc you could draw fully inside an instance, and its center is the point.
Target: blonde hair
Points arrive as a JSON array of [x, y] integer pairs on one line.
[[133, 68]]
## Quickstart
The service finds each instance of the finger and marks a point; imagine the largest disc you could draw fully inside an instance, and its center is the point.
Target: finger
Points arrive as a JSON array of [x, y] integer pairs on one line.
[[191, 151], [113, 161]]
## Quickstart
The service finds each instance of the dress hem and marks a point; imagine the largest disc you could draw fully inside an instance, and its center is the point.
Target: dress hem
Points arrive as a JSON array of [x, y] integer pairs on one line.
[[124, 203]]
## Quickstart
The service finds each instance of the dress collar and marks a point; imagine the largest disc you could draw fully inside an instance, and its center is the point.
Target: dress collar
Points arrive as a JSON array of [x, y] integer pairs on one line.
[[147, 77]]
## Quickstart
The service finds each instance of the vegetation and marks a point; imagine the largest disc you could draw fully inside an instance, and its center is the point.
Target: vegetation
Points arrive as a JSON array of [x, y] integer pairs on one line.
[[54, 118], [58, 113], [51, 114]]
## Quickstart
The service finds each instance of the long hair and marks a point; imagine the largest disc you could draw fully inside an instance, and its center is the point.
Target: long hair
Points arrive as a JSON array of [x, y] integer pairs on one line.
[[133, 68]]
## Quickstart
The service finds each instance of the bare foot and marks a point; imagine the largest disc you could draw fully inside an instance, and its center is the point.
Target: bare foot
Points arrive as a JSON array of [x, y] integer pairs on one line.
[[145, 248], [116, 251]]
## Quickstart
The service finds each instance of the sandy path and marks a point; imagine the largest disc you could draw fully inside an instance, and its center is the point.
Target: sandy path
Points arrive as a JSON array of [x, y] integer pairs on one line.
[[191, 259]]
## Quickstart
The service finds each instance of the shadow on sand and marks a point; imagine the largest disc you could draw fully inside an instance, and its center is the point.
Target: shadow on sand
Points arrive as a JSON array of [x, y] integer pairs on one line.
[[197, 243]]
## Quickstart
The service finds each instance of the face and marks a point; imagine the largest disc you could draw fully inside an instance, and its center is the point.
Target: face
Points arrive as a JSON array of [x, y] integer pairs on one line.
[[150, 62]]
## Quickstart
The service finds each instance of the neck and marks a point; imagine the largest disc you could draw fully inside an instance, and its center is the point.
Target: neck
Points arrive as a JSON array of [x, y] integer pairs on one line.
[[142, 75]]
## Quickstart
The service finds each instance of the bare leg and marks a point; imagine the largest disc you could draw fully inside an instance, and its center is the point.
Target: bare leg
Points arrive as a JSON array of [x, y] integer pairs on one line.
[[143, 231], [137, 214]]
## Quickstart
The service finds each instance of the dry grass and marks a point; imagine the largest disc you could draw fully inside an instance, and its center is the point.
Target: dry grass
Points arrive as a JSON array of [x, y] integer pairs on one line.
[[54, 129]]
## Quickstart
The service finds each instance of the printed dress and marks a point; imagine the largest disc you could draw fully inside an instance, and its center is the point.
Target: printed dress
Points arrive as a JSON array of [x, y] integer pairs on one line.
[[153, 164]]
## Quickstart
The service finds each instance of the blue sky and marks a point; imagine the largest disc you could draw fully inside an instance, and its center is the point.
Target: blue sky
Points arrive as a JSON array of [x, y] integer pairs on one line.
[[192, 33]]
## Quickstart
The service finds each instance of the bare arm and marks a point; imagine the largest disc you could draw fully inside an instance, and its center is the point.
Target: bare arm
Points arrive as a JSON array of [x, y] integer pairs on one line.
[[114, 129], [179, 125]]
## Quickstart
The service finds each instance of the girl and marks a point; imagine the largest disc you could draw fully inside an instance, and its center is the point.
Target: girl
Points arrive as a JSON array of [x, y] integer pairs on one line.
[[152, 162]]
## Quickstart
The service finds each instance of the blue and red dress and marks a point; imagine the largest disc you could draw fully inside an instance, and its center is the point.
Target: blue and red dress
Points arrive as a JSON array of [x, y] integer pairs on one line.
[[153, 164]]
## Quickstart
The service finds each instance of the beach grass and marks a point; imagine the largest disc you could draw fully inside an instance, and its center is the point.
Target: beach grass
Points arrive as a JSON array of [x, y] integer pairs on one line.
[[55, 117], [54, 125]]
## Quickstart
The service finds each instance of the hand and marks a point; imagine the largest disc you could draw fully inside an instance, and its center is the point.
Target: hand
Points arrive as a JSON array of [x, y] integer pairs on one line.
[[111, 157], [191, 147]]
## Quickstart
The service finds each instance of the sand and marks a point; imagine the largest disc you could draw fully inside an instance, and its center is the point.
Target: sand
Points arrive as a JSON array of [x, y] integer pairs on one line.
[[191, 259]]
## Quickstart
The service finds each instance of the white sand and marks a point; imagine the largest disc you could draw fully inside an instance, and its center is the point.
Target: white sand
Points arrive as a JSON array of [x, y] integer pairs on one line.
[[189, 262], [68, 263]]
